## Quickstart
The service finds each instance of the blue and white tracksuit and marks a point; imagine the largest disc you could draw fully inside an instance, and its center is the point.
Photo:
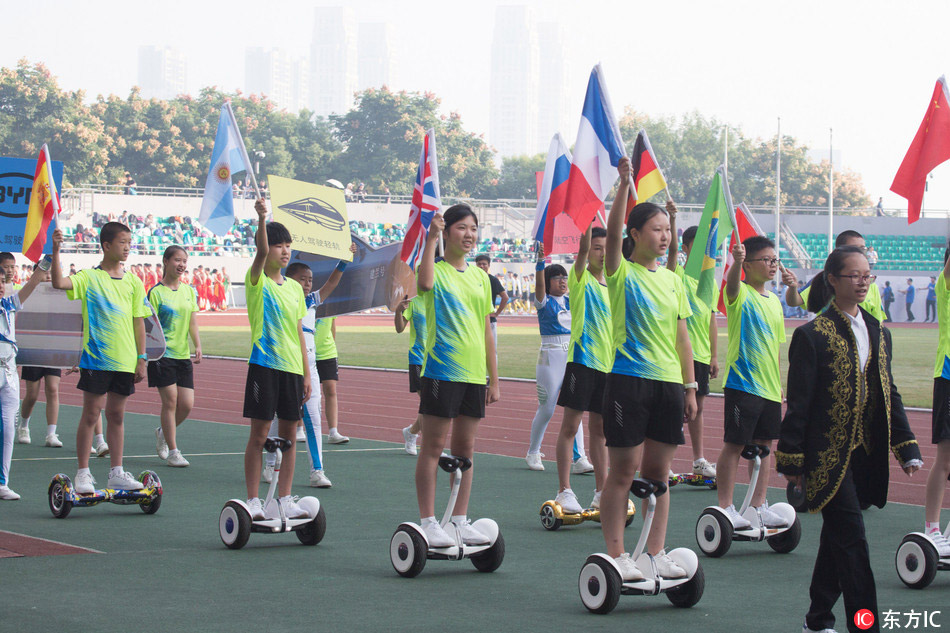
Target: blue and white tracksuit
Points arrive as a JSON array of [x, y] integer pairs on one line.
[[9, 383], [554, 320], [311, 408]]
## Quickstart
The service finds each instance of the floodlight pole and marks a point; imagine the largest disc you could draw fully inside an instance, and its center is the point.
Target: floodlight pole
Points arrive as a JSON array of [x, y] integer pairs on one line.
[[831, 191], [778, 193]]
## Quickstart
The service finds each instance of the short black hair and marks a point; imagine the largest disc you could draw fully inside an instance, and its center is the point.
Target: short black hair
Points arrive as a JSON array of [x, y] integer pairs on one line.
[[295, 268], [845, 236], [689, 235], [598, 231], [112, 230], [277, 233], [756, 244], [482, 257], [5, 256]]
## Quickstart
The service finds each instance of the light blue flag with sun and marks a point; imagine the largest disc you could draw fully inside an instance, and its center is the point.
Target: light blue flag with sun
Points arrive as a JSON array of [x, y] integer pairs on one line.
[[228, 157]]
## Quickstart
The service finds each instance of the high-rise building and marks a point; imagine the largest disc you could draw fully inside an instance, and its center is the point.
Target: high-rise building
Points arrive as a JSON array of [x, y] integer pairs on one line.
[[375, 55], [513, 112], [274, 74], [333, 60], [162, 72], [554, 91]]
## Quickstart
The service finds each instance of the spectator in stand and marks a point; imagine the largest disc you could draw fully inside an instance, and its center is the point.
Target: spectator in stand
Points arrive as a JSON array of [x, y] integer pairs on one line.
[[931, 301], [348, 192], [387, 194], [361, 193], [130, 185], [909, 293], [872, 256], [887, 298]]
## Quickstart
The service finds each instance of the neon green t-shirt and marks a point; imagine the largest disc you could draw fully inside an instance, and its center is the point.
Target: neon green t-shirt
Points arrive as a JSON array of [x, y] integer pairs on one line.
[[590, 322], [324, 343], [645, 306], [942, 367], [415, 314], [756, 328], [108, 307], [455, 309], [274, 311], [174, 308], [871, 303], [698, 322]]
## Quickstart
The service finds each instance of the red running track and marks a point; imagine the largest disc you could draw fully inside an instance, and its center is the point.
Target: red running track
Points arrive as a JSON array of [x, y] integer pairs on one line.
[[376, 405]]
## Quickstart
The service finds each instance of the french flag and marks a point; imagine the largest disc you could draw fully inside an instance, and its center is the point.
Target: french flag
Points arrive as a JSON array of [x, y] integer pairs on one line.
[[597, 152], [551, 196]]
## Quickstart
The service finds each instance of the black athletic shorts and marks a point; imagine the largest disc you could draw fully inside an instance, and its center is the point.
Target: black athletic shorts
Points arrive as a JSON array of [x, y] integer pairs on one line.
[[415, 378], [271, 391], [447, 399], [941, 410], [328, 369], [701, 370], [582, 389], [99, 381], [749, 417], [171, 371], [32, 374], [639, 408]]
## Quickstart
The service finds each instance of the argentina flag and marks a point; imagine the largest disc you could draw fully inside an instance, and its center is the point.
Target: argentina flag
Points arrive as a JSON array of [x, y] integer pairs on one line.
[[227, 157]]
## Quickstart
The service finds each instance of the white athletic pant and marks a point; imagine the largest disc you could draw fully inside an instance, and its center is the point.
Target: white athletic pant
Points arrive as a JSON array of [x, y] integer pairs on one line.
[[549, 374], [9, 403], [311, 425]]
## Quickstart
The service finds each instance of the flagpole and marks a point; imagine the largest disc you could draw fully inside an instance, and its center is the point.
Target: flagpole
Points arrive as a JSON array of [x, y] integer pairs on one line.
[[778, 190], [247, 161], [52, 183], [831, 191]]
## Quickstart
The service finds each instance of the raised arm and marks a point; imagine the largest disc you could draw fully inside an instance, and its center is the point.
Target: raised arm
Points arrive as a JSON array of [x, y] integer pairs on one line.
[[260, 239], [615, 220], [792, 297], [583, 250], [734, 276], [334, 279], [35, 279], [399, 320], [539, 275], [427, 266], [671, 254], [56, 269]]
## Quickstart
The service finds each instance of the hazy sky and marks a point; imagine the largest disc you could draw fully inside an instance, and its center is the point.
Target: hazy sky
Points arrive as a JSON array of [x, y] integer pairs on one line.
[[865, 68]]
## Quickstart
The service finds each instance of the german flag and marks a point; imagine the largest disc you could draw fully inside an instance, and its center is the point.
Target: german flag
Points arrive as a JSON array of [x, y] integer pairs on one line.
[[44, 206], [647, 177]]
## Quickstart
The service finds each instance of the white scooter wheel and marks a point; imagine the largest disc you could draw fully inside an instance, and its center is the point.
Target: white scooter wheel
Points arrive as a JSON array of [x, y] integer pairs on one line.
[[916, 561], [408, 551], [234, 525], [599, 584], [714, 533]]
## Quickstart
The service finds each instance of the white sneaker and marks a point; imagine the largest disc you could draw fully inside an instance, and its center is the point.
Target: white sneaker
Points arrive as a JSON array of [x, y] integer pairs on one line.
[[703, 468], [534, 461], [7, 494], [124, 481], [23, 435], [941, 543], [470, 536], [436, 536], [629, 572], [102, 449], [291, 509], [319, 480], [582, 466], [301, 436], [769, 518], [268, 473], [84, 484], [666, 567], [161, 446], [568, 502], [52, 441], [595, 502], [255, 508], [335, 438], [410, 441], [177, 460], [739, 522]]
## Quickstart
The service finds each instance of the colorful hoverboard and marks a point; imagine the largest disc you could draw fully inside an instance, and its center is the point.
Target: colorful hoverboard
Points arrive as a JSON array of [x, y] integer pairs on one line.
[[62, 495]]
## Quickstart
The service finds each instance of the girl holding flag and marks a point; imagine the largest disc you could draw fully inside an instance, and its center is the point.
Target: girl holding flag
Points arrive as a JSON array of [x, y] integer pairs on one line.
[[644, 401]]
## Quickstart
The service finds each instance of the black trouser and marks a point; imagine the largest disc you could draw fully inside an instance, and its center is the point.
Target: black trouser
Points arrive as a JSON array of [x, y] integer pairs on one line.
[[843, 565], [931, 307], [887, 310], [910, 315]]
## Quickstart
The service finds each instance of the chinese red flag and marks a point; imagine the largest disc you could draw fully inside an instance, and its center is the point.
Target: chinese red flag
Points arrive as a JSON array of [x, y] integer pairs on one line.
[[930, 147]]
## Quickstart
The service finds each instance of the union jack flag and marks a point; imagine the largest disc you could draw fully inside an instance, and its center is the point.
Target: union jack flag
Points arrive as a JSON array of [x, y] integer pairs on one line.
[[426, 202]]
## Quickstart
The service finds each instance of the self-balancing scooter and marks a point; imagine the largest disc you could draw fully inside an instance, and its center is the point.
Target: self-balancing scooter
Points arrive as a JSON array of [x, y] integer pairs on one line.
[[62, 496]]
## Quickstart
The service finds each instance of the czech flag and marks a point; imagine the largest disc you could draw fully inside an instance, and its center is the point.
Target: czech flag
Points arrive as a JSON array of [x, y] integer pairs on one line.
[[597, 152], [551, 194], [647, 177], [44, 207]]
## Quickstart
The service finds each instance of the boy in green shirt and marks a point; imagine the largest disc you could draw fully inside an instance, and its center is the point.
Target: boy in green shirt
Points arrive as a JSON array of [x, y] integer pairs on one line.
[[113, 357], [752, 385]]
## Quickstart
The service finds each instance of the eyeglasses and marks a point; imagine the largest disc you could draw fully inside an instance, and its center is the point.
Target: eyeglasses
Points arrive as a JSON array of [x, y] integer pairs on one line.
[[859, 279], [768, 260], [559, 278]]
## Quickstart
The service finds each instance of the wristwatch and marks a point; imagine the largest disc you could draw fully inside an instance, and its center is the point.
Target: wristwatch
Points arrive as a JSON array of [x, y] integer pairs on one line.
[[691, 385]]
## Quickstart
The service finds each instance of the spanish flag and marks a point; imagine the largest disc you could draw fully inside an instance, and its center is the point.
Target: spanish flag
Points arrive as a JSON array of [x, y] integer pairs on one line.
[[44, 206], [647, 177]]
